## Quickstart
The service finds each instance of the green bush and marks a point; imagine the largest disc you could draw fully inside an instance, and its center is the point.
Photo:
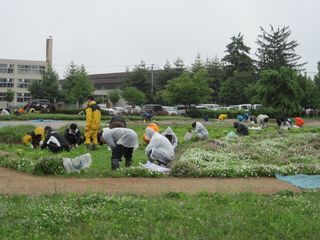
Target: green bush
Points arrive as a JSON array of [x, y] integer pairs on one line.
[[184, 169], [49, 166], [201, 113], [14, 134]]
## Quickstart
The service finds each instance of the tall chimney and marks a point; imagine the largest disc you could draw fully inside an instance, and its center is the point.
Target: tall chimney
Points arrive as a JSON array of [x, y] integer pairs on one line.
[[49, 52]]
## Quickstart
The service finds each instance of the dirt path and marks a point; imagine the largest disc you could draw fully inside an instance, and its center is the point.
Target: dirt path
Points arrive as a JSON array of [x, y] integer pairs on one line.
[[13, 182]]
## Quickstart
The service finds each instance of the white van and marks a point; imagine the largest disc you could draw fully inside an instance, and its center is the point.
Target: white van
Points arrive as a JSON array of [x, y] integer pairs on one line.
[[244, 106], [211, 106]]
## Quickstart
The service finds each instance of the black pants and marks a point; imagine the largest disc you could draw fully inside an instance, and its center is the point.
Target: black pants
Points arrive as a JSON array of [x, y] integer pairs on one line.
[[117, 154], [120, 151]]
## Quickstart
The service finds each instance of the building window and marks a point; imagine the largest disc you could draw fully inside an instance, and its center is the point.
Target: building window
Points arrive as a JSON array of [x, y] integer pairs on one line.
[[23, 97], [101, 86], [25, 83], [31, 69], [6, 68], [2, 96], [6, 82]]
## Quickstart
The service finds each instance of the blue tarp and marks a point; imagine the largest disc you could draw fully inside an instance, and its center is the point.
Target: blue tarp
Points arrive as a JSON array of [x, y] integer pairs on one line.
[[44, 120], [301, 180]]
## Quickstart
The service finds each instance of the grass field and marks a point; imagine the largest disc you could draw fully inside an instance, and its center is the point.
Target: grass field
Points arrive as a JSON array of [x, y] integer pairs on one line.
[[284, 215], [263, 153]]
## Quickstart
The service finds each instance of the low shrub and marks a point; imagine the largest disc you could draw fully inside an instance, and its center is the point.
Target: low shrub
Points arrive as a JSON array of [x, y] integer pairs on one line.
[[184, 169], [49, 166], [14, 134]]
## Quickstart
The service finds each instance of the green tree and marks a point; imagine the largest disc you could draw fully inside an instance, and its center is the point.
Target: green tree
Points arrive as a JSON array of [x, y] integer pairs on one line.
[[237, 57], [47, 88], [133, 96], [140, 78], [280, 90], [83, 86], [68, 83], [276, 50], [114, 97], [76, 86], [9, 96], [215, 70], [232, 90], [198, 64], [317, 77], [189, 89], [164, 75]]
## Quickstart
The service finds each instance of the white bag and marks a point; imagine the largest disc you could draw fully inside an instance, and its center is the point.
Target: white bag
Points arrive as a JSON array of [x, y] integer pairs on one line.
[[77, 163], [154, 167], [188, 136]]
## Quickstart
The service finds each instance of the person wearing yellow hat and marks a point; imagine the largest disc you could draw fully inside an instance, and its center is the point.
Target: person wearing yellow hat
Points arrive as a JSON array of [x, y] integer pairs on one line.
[[93, 119], [34, 138]]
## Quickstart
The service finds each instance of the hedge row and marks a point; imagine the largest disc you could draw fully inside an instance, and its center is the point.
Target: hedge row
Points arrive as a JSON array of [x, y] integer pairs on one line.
[[202, 113]]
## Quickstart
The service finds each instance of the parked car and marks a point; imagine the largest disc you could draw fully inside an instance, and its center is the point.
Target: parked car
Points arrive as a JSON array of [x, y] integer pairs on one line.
[[120, 110], [132, 110], [181, 110], [211, 106], [109, 111], [155, 109], [171, 110], [42, 105]]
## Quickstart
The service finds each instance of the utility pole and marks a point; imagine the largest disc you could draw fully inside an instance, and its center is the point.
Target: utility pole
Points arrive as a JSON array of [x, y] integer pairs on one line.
[[152, 79]]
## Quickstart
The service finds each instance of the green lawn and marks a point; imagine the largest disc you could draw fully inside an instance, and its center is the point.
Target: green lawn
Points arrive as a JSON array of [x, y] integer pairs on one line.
[[284, 215]]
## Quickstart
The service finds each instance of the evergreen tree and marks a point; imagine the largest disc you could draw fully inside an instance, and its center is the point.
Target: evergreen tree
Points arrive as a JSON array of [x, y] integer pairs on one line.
[[140, 78], [280, 90], [198, 64], [76, 86], [237, 58], [276, 50], [215, 71]]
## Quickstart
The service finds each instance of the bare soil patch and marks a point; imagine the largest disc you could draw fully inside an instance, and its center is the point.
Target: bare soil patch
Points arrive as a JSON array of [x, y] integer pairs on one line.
[[13, 182]]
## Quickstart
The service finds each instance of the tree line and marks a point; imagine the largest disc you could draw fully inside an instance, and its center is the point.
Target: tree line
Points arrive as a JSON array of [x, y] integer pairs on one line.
[[275, 78]]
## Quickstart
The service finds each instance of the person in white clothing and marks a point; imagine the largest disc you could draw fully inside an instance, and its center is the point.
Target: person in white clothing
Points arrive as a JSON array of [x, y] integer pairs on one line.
[[172, 137], [122, 142], [159, 149], [199, 130]]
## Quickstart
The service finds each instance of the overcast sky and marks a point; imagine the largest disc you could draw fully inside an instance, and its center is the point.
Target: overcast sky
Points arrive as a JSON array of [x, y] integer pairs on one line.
[[106, 36]]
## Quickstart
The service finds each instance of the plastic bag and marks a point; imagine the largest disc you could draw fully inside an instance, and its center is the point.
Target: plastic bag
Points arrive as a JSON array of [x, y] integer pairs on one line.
[[77, 163], [188, 136]]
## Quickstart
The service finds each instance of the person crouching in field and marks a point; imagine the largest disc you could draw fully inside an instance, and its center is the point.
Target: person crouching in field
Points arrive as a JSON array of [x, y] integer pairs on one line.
[[199, 131], [159, 149], [284, 123], [73, 135], [117, 122], [222, 117], [241, 129], [171, 136], [34, 139], [262, 120], [298, 122], [54, 141], [122, 142], [155, 127]]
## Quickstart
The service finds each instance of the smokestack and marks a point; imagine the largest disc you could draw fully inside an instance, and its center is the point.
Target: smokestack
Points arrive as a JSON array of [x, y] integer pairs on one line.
[[49, 52]]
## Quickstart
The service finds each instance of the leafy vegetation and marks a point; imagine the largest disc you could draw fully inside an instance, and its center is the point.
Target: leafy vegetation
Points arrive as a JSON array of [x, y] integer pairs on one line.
[[285, 215], [262, 153]]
